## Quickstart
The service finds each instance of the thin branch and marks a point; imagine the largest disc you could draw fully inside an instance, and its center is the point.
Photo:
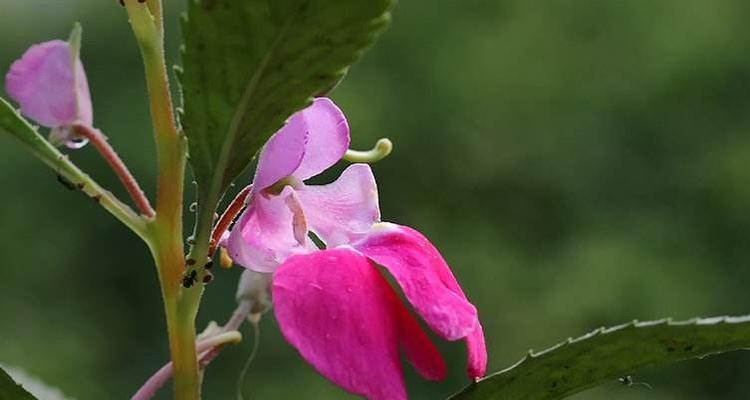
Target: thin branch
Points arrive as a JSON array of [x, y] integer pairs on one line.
[[118, 166]]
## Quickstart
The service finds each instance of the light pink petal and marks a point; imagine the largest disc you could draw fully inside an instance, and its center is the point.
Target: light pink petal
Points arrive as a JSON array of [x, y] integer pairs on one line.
[[312, 140], [424, 277], [345, 210], [334, 307], [282, 154], [264, 236], [43, 81], [476, 353], [327, 137], [83, 96]]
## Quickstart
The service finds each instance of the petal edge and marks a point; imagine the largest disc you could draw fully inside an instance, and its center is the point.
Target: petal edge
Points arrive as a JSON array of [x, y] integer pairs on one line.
[[424, 277], [333, 307]]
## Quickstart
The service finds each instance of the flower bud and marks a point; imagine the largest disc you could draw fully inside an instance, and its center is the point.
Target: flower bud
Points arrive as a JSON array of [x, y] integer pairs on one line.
[[255, 288], [50, 85]]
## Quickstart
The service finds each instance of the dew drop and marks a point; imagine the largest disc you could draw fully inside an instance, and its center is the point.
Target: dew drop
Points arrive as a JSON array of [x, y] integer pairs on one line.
[[76, 143]]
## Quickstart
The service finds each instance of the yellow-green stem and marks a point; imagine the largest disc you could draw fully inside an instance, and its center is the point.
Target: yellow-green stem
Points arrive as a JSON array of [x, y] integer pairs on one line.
[[180, 304]]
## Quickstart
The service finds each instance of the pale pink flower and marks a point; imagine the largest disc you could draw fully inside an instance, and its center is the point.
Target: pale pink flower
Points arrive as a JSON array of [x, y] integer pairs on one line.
[[50, 85], [334, 305]]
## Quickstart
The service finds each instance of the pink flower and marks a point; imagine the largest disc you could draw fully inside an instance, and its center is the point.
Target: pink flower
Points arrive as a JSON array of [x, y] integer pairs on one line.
[[50, 85], [334, 305]]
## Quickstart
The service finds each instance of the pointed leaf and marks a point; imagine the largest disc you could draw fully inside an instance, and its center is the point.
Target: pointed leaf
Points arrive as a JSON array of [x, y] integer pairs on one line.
[[607, 354], [249, 64]]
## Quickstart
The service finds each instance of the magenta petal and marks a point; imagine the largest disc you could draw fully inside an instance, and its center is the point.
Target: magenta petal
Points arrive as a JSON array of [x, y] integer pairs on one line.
[[418, 348], [424, 276], [336, 310], [50, 86], [327, 137], [265, 236], [345, 210], [476, 353]]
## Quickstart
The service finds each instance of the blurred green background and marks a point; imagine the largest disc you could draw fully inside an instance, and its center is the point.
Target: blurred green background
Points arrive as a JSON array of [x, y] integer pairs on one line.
[[579, 162]]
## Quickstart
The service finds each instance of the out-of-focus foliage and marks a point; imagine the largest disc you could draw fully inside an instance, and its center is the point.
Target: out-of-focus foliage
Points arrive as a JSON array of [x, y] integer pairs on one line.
[[580, 163]]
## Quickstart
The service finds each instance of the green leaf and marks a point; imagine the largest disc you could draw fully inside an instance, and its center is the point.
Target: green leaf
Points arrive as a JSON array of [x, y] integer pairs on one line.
[[10, 390], [607, 354], [249, 64]]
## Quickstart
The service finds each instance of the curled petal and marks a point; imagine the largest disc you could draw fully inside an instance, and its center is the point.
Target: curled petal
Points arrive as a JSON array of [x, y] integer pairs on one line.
[[430, 287], [311, 141], [424, 276], [282, 154], [264, 236], [50, 85], [476, 353], [345, 210], [327, 137], [337, 310]]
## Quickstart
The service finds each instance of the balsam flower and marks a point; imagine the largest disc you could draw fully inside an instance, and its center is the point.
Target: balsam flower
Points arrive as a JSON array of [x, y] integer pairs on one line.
[[50, 85], [334, 305]]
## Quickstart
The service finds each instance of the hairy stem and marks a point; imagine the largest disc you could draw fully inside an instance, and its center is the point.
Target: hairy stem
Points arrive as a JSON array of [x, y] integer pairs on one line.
[[118, 166], [179, 304]]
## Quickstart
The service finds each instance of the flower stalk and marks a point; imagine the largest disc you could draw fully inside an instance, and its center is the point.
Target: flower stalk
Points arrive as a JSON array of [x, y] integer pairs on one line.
[[118, 166]]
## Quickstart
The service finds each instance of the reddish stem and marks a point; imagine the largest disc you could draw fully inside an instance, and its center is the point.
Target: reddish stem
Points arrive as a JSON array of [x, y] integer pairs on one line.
[[234, 208], [118, 166]]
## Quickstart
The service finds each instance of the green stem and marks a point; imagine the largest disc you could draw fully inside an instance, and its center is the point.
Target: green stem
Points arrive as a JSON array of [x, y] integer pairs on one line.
[[105, 198], [11, 122], [180, 304]]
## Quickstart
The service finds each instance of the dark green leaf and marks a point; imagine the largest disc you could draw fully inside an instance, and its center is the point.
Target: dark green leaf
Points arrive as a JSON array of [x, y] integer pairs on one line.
[[10, 390], [609, 353], [249, 64]]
